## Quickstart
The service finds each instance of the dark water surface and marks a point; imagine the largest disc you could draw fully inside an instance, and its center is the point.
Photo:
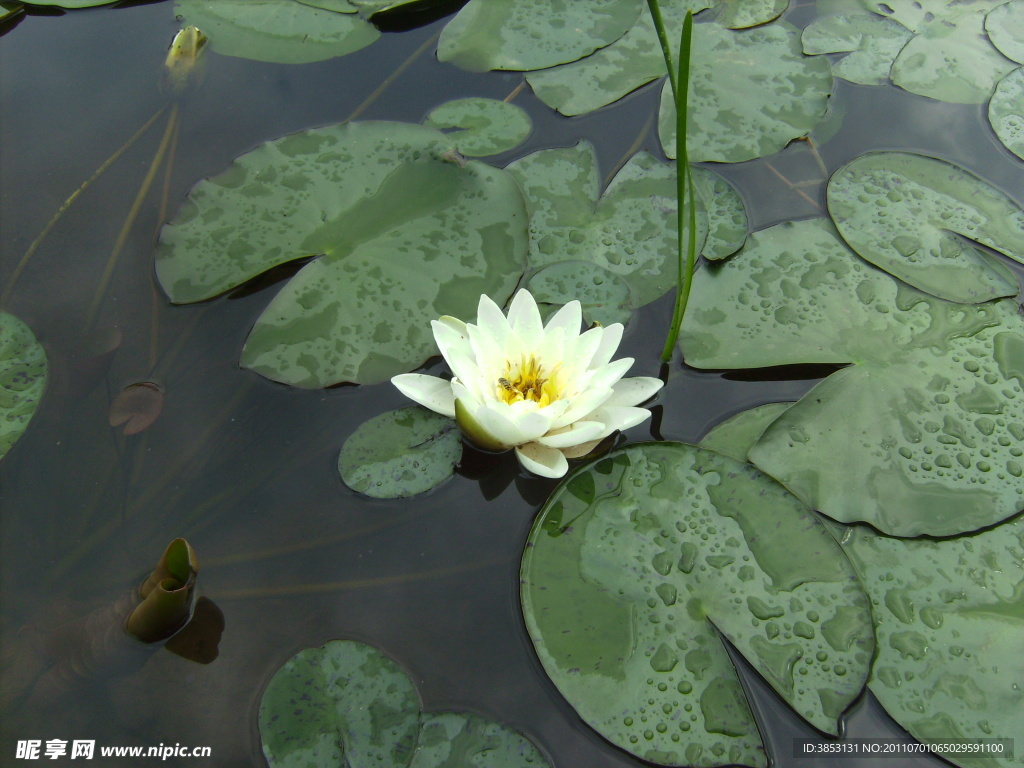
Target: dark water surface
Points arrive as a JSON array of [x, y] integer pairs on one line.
[[245, 468]]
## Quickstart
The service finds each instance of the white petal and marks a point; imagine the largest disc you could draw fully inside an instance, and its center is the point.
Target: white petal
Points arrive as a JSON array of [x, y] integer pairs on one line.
[[524, 317], [611, 373], [609, 343], [450, 340], [510, 428], [634, 391], [580, 357], [429, 391], [569, 317], [454, 323], [580, 432], [620, 417], [490, 356], [466, 371], [492, 321], [541, 460], [582, 406]]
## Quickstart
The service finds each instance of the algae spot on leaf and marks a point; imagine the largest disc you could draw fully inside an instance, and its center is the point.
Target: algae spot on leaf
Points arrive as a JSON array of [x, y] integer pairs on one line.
[[405, 234], [481, 126], [400, 453], [916, 217], [949, 622], [673, 548], [23, 373]]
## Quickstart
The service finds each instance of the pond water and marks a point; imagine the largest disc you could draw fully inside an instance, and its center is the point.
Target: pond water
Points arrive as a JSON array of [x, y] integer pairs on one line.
[[244, 468]]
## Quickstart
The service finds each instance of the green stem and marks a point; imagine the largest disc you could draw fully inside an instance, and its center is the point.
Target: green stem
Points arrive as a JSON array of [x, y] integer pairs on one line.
[[686, 207]]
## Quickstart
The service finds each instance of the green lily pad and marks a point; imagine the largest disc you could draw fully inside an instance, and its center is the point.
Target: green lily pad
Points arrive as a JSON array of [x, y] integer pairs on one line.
[[604, 296], [406, 230], [949, 625], [951, 58], [629, 231], [1006, 112], [871, 42], [727, 215], [1005, 27], [931, 444], [342, 704], [485, 126], [741, 112], [338, 6], [923, 435], [400, 453], [612, 72], [532, 34], [640, 563], [459, 740], [23, 372], [737, 435], [280, 31], [910, 215], [743, 14]]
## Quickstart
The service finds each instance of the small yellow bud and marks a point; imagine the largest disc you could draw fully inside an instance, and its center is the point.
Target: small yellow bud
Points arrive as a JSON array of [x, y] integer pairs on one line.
[[182, 57]]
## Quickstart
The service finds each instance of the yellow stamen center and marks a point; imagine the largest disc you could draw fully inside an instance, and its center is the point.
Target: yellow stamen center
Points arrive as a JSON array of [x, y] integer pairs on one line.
[[528, 381]]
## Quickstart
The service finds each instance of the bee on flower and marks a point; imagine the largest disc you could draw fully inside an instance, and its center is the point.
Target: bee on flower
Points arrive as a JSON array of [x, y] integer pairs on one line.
[[549, 391]]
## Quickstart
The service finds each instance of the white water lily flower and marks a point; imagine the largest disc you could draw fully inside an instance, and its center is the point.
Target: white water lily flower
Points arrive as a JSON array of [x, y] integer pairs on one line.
[[548, 391]]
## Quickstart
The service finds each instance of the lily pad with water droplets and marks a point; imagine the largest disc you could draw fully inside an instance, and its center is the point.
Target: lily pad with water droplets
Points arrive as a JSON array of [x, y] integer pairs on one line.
[[741, 112], [483, 126], [949, 626], [406, 231], [280, 31], [737, 435], [532, 34], [23, 372], [916, 217], [342, 704], [604, 296], [400, 453], [870, 42], [923, 435], [630, 230], [460, 740], [1006, 112], [743, 14], [642, 561], [1005, 27], [612, 72]]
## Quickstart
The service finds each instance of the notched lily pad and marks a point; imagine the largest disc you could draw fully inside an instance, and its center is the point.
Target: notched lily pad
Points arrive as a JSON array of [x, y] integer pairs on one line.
[[532, 34], [949, 623], [738, 112], [870, 42], [136, 406], [629, 230], [641, 561], [1006, 111], [405, 229], [915, 217], [735, 436], [923, 435], [743, 14], [400, 453], [342, 704], [23, 372], [483, 126], [280, 31]]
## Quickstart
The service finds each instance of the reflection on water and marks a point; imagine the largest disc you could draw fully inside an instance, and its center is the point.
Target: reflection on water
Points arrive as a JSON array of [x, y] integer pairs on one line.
[[245, 469]]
